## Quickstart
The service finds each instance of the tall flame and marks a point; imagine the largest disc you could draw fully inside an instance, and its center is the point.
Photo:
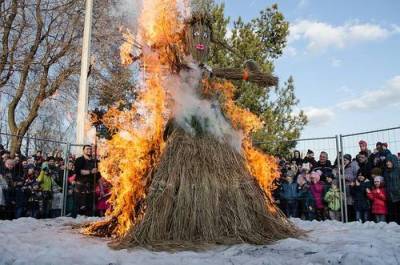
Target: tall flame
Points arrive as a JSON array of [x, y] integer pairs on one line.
[[137, 144], [262, 166], [138, 140]]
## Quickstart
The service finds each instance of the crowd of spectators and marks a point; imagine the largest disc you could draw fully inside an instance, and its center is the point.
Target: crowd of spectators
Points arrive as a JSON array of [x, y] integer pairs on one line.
[[33, 186], [307, 188], [310, 189]]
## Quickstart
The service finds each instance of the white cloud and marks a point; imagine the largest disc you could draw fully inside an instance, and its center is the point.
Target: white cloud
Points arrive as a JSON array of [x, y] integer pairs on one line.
[[345, 91], [318, 116], [336, 62], [388, 95], [321, 36], [396, 28], [302, 3]]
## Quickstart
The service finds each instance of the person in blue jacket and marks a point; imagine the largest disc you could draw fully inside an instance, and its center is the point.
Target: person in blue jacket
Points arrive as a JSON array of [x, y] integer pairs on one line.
[[290, 195]]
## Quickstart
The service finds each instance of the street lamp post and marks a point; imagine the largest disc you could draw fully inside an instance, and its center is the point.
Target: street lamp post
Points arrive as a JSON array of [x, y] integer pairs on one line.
[[82, 113]]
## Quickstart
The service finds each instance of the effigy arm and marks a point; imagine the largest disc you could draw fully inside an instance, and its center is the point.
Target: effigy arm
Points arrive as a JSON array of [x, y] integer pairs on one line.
[[257, 77]]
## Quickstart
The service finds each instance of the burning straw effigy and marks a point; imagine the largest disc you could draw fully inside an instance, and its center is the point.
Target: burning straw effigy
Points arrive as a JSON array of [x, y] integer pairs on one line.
[[184, 172]]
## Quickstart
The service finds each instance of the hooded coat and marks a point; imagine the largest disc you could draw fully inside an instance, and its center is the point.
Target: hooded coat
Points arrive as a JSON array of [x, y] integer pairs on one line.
[[392, 179], [378, 198], [289, 191], [350, 175], [359, 194], [317, 191], [306, 198], [332, 197]]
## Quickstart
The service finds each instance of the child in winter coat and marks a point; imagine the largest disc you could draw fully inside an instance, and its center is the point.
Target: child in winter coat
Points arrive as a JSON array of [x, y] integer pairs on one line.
[[332, 197], [306, 200], [289, 194], [378, 197], [358, 190], [103, 193], [317, 190]]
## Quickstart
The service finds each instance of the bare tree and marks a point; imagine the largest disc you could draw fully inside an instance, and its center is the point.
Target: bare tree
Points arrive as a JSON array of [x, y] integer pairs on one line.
[[40, 42], [111, 82]]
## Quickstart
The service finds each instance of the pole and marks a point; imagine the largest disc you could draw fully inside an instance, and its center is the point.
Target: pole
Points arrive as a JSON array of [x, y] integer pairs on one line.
[[343, 179], [65, 180], [340, 176], [27, 146], [83, 82], [94, 177]]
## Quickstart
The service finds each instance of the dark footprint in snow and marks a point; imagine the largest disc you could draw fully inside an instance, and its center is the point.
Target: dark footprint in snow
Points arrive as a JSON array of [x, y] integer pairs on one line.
[[310, 253]]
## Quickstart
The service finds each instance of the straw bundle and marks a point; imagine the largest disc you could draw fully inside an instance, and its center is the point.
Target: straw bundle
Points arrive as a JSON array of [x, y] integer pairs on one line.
[[201, 195], [262, 79]]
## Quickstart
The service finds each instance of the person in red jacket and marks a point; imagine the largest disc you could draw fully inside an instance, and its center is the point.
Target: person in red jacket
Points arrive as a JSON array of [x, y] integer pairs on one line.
[[378, 198]]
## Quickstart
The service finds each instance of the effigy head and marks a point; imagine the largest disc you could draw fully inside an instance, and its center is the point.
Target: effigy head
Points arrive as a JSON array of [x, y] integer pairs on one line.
[[198, 36]]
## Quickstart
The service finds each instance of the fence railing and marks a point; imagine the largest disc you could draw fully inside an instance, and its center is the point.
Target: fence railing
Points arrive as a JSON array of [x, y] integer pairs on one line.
[[336, 147]]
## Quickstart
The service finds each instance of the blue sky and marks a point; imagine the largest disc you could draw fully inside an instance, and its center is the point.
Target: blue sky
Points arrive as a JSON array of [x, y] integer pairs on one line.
[[345, 59]]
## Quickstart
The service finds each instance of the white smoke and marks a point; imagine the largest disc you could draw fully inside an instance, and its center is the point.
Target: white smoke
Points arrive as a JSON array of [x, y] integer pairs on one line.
[[184, 90], [129, 11]]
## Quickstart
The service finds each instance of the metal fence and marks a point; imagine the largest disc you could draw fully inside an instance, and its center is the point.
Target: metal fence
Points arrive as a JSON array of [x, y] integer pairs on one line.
[[349, 144], [30, 145], [339, 145], [335, 146], [391, 136]]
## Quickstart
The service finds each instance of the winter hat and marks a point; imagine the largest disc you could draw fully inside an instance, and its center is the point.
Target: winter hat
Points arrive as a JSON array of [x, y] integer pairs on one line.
[[385, 145], [336, 182], [347, 157], [378, 143], [330, 175], [309, 152], [319, 172], [376, 171], [45, 166], [378, 178], [362, 142], [316, 176]]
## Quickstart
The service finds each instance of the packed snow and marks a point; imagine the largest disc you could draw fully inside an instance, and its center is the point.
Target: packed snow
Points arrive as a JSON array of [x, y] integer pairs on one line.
[[53, 241]]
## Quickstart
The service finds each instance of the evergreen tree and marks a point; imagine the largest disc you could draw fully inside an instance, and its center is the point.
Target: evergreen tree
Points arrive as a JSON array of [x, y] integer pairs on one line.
[[261, 40]]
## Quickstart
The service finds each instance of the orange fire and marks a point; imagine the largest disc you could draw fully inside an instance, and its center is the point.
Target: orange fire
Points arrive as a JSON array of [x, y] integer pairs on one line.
[[262, 166], [137, 144], [127, 159]]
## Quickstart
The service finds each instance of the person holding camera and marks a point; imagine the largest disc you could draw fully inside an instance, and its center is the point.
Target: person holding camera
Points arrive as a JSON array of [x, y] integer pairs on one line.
[[45, 183]]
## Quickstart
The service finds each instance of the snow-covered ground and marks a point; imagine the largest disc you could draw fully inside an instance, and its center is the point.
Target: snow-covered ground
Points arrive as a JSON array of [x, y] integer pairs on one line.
[[42, 242]]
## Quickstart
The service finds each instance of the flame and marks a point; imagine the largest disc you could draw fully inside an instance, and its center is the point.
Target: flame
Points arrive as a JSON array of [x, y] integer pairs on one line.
[[137, 143], [262, 166]]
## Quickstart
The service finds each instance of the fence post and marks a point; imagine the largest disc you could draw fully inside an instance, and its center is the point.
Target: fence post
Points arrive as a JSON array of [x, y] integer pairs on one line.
[[343, 179], [65, 179], [27, 146], [340, 176]]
